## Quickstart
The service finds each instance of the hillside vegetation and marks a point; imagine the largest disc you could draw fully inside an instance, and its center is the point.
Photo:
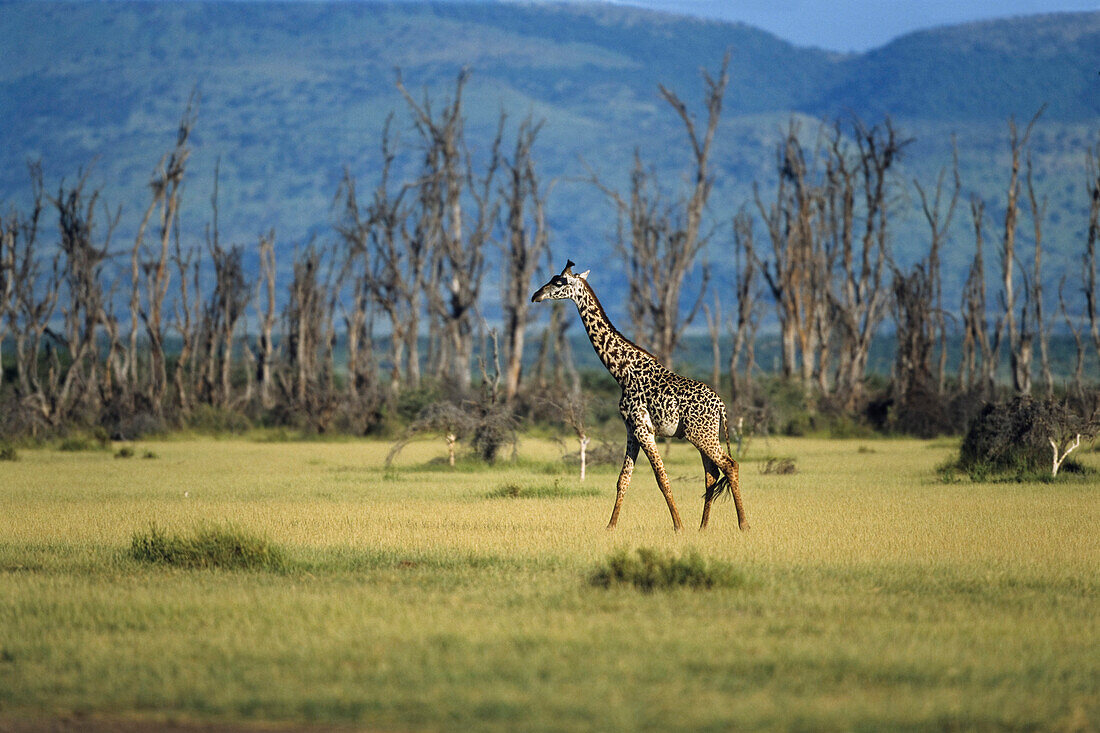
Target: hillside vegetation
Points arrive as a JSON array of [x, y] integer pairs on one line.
[[293, 93]]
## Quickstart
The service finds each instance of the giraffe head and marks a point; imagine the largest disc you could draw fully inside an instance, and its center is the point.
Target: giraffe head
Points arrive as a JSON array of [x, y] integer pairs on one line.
[[561, 287]]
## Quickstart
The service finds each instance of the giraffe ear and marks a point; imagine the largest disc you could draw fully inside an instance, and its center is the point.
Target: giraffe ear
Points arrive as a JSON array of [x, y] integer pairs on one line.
[[584, 275]]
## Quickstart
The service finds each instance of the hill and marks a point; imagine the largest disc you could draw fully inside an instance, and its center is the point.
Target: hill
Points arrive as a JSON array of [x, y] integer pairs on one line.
[[293, 93]]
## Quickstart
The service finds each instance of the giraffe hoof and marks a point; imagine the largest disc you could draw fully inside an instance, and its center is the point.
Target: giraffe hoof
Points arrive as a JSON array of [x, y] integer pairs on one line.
[[743, 525]]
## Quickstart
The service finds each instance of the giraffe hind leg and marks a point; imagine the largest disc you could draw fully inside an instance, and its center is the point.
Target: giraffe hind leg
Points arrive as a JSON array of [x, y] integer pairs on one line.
[[710, 477], [731, 479]]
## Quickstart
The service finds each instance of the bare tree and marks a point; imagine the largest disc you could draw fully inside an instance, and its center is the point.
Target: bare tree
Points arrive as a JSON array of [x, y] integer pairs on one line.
[[1092, 296], [939, 223], [1038, 211], [74, 381], [528, 240], [154, 262], [220, 314], [797, 273], [574, 412], [744, 331], [266, 351], [184, 320], [307, 383], [459, 260], [978, 363], [860, 297], [918, 310], [660, 241], [1019, 333]]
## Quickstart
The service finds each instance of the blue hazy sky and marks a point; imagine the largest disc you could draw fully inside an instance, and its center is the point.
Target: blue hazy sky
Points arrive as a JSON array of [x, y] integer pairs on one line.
[[856, 25]]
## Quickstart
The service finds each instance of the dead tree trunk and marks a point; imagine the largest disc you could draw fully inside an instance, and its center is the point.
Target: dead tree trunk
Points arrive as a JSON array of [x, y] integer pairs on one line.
[[939, 223], [461, 240], [664, 240], [978, 364], [1092, 297], [266, 351], [73, 384], [1038, 211], [528, 239], [744, 333], [155, 263], [1018, 333], [859, 301], [798, 272]]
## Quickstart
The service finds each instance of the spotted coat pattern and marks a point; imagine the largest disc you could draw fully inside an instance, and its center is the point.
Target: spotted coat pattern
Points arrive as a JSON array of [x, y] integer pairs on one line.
[[656, 402]]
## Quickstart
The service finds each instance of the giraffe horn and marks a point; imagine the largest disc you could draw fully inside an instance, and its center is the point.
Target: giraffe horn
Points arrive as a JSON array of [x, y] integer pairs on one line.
[[568, 267]]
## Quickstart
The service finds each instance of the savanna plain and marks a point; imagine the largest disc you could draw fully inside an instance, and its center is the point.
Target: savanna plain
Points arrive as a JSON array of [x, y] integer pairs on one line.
[[869, 593]]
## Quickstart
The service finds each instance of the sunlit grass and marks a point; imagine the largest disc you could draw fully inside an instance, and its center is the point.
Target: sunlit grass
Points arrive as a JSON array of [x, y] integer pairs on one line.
[[874, 595]]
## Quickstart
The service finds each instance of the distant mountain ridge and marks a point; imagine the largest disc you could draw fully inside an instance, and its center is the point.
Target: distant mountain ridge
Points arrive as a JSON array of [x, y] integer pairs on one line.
[[293, 93]]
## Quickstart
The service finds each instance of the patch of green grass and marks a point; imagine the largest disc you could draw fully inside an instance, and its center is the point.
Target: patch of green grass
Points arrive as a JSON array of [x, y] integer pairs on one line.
[[209, 547], [649, 570], [556, 490], [870, 596]]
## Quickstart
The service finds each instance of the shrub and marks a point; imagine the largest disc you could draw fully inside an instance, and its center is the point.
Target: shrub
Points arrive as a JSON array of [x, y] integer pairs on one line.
[[8, 452], [97, 441], [779, 466], [650, 570], [1012, 440], [210, 547], [125, 452]]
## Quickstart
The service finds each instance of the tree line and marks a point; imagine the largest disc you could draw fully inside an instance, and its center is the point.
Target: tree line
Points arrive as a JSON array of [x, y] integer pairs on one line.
[[160, 329]]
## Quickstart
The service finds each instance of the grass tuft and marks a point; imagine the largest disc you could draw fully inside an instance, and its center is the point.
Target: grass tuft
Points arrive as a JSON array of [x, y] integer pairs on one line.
[[208, 547], [8, 452], [539, 491], [779, 466], [650, 570], [125, 452]]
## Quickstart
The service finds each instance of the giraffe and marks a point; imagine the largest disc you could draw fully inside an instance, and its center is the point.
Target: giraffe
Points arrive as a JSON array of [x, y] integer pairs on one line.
[[656, 402]]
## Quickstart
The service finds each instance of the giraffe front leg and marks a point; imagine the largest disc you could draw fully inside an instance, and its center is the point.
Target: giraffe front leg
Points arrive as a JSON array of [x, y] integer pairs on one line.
[[710, 478], [624, 478], [649, 445]]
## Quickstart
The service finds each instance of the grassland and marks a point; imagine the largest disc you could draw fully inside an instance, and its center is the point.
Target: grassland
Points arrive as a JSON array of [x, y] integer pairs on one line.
[[424, 598]]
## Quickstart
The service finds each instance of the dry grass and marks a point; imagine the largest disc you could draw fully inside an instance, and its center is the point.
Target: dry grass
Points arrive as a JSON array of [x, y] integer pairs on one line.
[[879, 596]]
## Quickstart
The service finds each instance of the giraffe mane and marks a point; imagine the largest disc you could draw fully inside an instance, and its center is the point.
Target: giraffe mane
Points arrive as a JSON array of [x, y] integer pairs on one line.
[[615, 330]]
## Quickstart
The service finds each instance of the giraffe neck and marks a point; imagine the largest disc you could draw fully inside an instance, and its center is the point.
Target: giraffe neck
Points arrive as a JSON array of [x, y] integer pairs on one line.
[[618, 354]]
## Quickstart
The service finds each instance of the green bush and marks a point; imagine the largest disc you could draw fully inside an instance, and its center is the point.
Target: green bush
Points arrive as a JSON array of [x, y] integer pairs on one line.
[[209, 547], [8, 452], [125, 452], [1011, 440], [650, 570]]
